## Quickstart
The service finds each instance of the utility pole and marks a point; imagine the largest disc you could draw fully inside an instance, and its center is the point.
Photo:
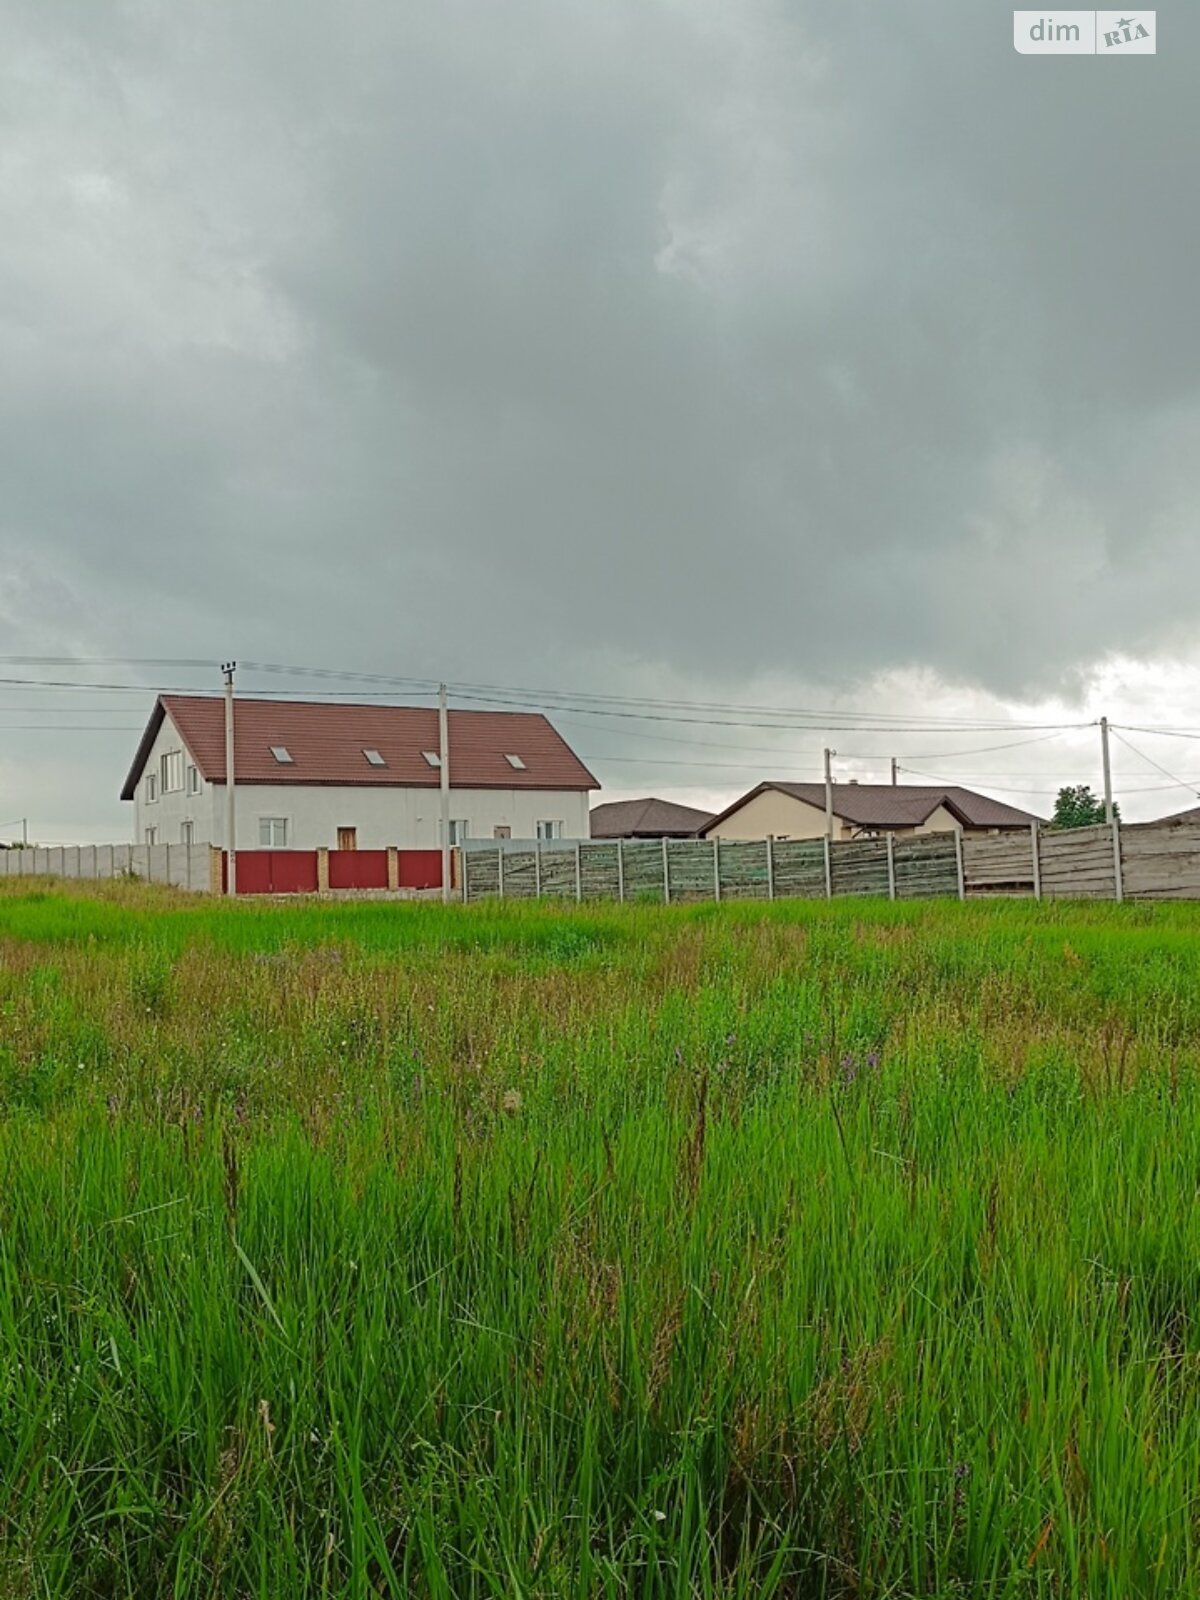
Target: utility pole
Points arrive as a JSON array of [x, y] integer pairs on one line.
[[895, 770], [24, 833], [229, 668], [829, 794], [1108, 803], [444, 773]]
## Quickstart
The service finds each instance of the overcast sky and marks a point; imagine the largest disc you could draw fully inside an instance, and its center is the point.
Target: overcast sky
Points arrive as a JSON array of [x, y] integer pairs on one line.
[[804, 353]]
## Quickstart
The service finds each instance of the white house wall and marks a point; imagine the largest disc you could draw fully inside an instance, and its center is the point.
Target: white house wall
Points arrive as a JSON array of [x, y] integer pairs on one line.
[[382, 816], [169, 812]]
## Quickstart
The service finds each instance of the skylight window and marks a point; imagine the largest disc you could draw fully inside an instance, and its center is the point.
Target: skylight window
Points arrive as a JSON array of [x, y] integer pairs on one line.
[[516, 763], [375, 758], [282, 754], [432, 757]]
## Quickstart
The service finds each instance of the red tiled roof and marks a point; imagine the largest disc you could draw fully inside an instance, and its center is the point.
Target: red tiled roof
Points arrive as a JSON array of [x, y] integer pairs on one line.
[[326, 743]]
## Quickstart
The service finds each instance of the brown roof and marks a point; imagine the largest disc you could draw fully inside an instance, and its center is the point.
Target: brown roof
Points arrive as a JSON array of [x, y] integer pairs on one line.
[[1192, 814], [622, 819], [326, 743], [901, 805]]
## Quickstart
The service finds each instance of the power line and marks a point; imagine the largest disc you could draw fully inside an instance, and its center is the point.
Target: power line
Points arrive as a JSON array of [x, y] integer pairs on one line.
[[1176, 783], [720, 722], [1154, 788], [1166, 733], [577, 697]]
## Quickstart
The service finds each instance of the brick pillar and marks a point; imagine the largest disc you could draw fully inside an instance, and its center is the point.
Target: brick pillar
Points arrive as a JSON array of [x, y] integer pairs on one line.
[[322, 871], [216, 860], [393, 867]]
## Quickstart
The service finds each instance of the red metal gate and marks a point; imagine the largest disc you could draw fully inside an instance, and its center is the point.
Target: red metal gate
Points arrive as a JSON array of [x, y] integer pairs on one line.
[[273, 872], [358, 869]]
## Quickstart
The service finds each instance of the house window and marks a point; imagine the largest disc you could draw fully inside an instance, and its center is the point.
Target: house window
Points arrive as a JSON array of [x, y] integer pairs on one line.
[[172, 771], [432, 757], [282, 754], [500, 831], [516, 763], [151, 788], [193, 780], [151, 835], [272, 833], [375, 759], [549, 830], [187, 832], [458, 830]]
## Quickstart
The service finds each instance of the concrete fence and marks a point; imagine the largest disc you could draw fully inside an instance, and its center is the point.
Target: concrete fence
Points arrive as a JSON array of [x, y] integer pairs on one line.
[[1148, 861], [1152, 861], [183, 866], [202, 868]]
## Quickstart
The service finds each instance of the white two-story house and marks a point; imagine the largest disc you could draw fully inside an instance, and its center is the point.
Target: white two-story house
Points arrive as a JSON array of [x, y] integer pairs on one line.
[[350, 777]]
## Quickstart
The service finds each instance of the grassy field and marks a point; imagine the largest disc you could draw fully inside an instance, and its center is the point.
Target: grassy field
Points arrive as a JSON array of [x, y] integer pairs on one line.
[[843, 1250]]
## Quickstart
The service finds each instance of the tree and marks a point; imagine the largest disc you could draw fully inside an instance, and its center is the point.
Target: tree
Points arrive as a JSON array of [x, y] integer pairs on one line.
[[1078, 807]]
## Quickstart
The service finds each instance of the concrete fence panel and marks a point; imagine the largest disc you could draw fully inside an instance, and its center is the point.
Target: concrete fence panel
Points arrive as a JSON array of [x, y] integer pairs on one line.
[[1077, 864]]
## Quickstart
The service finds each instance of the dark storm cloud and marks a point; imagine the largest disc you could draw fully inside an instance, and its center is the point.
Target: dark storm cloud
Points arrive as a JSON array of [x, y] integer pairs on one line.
[[501, 341]]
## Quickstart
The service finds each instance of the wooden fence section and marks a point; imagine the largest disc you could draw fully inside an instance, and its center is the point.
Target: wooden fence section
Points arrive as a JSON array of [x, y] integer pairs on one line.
[[1153, 861]]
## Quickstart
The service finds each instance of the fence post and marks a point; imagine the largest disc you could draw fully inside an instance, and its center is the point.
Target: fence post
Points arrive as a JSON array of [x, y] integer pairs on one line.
[[770, 868], [462, 872], [891, 858], [500, 869], [828, 869], [537, 868], [666, 875], [958, 862], [717, 867], [168, 866], [620, 871], [578, 870], [1118, 876], [1037, 861]]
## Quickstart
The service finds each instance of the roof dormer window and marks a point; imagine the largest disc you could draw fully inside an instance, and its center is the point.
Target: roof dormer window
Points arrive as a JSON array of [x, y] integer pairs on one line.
[[282, 754]]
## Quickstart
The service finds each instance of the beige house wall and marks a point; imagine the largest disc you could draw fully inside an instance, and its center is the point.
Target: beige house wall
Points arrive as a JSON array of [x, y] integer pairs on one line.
[[940, 821], [775, 815]]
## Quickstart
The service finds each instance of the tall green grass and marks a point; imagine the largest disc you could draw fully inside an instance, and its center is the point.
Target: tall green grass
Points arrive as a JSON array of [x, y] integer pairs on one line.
[[845, 1250]]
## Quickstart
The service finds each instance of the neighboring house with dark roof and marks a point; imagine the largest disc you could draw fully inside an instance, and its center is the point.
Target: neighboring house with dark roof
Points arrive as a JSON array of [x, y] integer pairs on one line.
[[647, 819], [1192, 814], [862, 810], [351, 776]]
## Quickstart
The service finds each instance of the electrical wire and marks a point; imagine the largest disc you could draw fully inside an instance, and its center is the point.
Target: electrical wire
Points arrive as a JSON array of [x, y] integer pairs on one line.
[[1176, 783]]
